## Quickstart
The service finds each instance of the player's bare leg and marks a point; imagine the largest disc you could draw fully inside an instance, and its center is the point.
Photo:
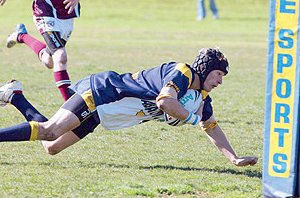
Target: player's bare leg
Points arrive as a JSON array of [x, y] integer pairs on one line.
[[46, 58], [20, 35], [37, 127], [60, 59], [60, 72], [61, 143], [62, 122]]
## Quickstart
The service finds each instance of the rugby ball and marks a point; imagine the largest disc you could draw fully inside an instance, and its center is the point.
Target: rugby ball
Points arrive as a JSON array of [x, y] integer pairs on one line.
[[191, 101]]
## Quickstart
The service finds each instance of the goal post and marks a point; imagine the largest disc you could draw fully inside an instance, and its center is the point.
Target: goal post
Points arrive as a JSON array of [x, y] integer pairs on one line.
[[281, 132]]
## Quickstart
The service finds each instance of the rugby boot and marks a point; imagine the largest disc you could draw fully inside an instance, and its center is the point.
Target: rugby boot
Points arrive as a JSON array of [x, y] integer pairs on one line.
[[12, 39], [8, 90]]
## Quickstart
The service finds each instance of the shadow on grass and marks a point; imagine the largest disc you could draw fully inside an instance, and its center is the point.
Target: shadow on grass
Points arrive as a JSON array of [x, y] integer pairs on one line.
[[6, 164], [248, 173], [244, 18], [248, 122]]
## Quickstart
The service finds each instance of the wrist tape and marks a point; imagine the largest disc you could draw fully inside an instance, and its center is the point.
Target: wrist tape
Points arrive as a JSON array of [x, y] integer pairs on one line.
[[192, 119]]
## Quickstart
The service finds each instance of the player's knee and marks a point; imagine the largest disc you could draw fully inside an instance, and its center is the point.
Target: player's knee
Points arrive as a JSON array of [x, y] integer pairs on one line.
[[48, 131], [51, 149], [63, 59], [50, 136], [46, 59], [48, 62], [60, 56], [162, 103]]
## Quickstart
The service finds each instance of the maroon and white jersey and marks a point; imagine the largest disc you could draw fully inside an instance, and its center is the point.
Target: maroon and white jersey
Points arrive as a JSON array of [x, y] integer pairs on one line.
[[53, 8]]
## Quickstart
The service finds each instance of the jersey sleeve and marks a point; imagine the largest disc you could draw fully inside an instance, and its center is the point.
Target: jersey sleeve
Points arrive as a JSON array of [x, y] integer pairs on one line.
[[179, 78], [207, 109]]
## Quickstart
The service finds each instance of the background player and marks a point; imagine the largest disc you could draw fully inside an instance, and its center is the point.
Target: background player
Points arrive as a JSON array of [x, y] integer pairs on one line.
[[54, 20]]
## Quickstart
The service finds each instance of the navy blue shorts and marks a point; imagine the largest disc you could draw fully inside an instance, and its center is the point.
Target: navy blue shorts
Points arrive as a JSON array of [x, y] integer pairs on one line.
[[81, 103]]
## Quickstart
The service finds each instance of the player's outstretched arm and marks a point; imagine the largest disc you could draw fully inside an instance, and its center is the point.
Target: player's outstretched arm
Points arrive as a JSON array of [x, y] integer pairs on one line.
[[70, 5], [218, 138], [2, 2]]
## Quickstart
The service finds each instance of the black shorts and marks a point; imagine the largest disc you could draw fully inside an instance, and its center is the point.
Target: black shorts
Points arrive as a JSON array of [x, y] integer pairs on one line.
[[54, 41], [81, 103]]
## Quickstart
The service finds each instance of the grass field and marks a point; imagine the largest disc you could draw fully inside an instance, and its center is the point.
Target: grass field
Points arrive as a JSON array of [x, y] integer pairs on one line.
[[153, 159]]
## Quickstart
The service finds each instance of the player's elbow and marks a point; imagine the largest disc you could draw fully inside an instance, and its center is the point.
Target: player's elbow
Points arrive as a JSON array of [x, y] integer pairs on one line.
[[163, 103], [162, 106]]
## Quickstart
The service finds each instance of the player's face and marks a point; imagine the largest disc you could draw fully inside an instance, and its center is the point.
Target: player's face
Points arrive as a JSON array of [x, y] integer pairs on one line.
[[213, 79]]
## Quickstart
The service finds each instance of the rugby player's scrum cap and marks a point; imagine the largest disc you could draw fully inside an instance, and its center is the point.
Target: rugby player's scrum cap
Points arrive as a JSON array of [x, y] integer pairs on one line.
[[209, 59]]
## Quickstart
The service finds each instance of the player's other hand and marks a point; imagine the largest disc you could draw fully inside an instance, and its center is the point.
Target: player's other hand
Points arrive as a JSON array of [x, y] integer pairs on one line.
[[70, 5], [2, 2], [245, 161]]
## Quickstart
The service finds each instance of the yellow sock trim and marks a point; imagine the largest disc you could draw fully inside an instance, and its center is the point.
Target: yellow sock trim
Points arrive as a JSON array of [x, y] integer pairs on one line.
[[210, 126], [34, 130]]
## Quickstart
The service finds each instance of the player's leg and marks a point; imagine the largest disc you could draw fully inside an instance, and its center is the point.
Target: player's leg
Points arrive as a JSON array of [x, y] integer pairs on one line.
[[77, 114], [56, 37], [60, 72], [84, 108], [201, 12], [61, 143], [87, 126], [45, 57], [12, 92], [20, 35], [214, 9], [62, 122]]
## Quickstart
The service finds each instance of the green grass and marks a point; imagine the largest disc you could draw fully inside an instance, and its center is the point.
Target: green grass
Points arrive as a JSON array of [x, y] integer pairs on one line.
[[153, 159]]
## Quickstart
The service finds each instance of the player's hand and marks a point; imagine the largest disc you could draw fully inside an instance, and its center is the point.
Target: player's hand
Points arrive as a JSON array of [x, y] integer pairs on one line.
[[70, 5], [245, 161], [2, 2]]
